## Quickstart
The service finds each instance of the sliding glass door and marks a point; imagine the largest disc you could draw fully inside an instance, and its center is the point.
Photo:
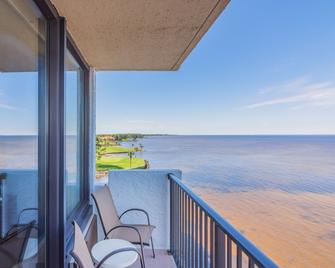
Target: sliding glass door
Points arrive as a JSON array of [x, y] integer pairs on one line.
[[74, 96], [44, 182], [23, 134]]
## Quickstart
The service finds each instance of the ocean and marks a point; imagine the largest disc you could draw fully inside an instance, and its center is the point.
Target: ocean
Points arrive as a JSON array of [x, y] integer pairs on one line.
[[243, 163], [279, 191]]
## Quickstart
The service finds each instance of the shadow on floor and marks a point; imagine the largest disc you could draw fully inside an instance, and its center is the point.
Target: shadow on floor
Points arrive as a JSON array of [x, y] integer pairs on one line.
[[162, 260]]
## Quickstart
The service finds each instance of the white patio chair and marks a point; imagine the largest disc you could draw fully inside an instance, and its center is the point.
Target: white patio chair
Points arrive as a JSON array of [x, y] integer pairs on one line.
[[113, 227], [82, 256]]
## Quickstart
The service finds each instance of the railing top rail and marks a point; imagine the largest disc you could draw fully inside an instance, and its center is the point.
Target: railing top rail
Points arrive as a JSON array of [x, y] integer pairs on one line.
[[248, 247]]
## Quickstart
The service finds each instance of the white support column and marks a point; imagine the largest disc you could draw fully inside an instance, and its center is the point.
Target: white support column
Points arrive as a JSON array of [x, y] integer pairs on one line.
[[92, 126]]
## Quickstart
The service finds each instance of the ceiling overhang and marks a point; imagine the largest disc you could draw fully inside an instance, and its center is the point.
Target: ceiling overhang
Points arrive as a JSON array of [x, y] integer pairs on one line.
[[138, 35]]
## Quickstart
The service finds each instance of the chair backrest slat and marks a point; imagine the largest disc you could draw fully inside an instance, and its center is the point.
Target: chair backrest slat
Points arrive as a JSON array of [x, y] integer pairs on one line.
[[80, 251], [106, 208]]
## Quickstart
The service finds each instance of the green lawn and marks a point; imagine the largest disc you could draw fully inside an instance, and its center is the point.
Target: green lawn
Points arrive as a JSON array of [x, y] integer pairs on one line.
[[116, 150], [108, 163]]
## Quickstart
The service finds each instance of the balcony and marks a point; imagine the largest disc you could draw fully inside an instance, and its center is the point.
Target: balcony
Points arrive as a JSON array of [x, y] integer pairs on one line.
[[188, 232]]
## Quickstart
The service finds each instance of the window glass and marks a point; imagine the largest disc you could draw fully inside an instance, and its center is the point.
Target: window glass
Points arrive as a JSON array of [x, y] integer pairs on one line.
[[73, 132], [23, 115]]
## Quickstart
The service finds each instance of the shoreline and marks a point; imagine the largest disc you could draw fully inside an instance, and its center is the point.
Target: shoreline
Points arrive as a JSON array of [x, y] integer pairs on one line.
[[111, 154]]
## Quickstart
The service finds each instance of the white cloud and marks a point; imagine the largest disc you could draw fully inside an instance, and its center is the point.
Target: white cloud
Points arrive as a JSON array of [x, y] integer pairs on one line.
[[7, 107], [288, 86], [300, 94], [4, 105]]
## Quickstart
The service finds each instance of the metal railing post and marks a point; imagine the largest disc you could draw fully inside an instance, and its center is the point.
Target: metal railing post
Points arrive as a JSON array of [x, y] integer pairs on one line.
[[200, 237], [219, 248]]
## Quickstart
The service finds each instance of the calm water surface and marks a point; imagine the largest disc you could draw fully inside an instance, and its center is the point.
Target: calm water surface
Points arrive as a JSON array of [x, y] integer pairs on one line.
[[278, 190], [242, 163]]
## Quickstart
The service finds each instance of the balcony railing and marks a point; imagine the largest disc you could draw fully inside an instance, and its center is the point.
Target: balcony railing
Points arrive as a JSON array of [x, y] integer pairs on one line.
[[201, 238]]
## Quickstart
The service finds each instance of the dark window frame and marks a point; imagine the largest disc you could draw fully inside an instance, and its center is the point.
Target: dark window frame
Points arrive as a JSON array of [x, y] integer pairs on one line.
[[55, 80], [83, 210], [59, 231]]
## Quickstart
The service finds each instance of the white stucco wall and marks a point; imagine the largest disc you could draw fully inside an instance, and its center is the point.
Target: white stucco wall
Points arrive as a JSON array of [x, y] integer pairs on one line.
[[147, 189]]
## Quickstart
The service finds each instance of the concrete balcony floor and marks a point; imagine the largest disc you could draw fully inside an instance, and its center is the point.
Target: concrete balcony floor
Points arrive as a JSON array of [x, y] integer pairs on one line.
[[163, 259]]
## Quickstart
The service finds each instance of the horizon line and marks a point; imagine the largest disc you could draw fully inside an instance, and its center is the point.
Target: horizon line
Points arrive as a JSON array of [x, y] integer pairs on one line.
[[212, 134], [197, 134]]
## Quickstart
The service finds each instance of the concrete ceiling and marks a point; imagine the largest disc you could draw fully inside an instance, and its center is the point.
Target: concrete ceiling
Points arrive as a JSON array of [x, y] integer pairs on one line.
[[21, 34], [138, 34]]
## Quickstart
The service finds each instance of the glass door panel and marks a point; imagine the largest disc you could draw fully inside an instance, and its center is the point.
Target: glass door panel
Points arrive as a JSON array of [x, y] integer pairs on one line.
[[73, 132], [23, 124]]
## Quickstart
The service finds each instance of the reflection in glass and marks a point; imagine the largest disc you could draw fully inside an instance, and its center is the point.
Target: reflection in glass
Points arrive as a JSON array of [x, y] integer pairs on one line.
[[23, 101], [73, 142]]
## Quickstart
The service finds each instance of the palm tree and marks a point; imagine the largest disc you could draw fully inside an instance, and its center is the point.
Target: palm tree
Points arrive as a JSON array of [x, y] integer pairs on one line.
[[131, 154], [141, 147], [100, 148]]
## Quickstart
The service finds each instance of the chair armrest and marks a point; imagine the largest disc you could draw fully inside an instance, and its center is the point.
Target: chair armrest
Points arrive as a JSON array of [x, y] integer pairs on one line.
[[15, 227], [137, 209], [119, 251], [124, 226], [24, 210]]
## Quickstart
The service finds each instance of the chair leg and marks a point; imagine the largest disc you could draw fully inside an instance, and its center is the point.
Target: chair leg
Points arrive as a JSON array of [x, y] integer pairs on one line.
[[142, 252], [153, 249], [141, 261]]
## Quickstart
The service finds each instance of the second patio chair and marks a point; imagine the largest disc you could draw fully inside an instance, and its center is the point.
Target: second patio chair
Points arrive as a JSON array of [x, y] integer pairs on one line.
[[140, 234], [13, 245], [82, 255]]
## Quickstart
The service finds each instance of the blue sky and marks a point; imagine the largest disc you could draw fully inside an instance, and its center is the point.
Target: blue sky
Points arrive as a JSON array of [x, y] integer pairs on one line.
[[265, 67], [18, 103]]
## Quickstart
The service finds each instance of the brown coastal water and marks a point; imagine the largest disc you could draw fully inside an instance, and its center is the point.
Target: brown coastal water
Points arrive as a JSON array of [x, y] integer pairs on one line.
[[295, 230]]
